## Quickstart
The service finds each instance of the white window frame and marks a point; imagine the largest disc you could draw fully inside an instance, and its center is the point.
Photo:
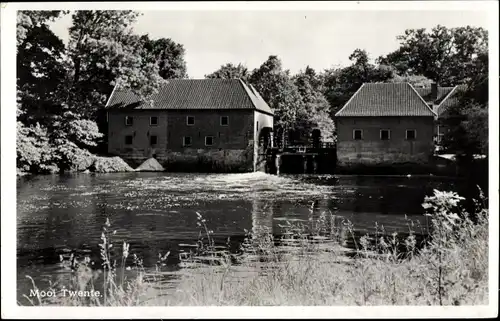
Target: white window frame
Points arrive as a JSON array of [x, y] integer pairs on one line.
[[151, 123], [132, 142], [354, 135], [184, 141], [227, 117], [151, 144], [126, 120], [388, 131], [406, 134], [187, 121], [213, 138]]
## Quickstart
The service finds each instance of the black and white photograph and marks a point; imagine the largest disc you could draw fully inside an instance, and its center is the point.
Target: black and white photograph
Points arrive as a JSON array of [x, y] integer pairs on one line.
[[326, 159]]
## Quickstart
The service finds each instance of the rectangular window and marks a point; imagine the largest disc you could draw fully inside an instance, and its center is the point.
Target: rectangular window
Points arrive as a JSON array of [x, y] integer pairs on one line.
[[128, 140], [357, 134], [190, 120], [224, 120], [385, 134], [153, 121], [186, 141], [209, 140], [153, 140], [411, 134], [129, 120]]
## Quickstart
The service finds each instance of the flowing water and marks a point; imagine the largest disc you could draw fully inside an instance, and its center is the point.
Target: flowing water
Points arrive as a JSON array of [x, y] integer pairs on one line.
[[156, 212]]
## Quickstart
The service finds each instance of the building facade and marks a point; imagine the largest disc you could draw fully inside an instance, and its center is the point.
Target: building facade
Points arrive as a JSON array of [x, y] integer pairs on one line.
[[191, 124], [385, 124]]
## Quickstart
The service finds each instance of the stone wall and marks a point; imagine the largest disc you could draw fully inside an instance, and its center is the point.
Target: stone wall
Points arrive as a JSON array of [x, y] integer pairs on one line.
[[232, 149], [202, 160], [371, 150]]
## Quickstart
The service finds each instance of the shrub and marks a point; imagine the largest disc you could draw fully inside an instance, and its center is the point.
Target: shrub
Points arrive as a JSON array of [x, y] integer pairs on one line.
[[34, 152]]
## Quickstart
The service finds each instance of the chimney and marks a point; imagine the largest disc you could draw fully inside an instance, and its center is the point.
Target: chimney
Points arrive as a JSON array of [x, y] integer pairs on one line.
[[434, 92]]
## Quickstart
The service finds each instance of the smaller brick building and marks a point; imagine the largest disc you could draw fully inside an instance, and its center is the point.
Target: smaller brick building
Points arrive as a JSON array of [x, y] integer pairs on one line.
[[192, 124], [385, 124]]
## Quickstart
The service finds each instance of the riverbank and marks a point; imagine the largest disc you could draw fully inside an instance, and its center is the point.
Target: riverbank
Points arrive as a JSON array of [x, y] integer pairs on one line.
[[114, 164], [450, 269]]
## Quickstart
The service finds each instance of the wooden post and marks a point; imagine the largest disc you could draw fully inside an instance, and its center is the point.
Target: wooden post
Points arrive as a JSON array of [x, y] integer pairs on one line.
[[277, 163]]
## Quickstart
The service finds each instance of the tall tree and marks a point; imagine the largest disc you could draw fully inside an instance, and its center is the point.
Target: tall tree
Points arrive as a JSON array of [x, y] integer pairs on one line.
[[278, 90], [40, 72], [469, 118], [444, 55], [315, 114], [27, 20], [341, 83], [103, 52], [231, 71], [168, 55]]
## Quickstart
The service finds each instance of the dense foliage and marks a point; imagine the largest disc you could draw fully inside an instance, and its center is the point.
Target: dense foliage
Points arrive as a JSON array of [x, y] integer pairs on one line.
[[62, 89], [230, 71]]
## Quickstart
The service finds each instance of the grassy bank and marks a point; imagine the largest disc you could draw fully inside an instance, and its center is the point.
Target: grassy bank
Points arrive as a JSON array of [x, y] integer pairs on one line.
[[310, 267]]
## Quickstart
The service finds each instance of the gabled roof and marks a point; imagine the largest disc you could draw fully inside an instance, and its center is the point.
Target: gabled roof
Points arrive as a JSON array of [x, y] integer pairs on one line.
[[426, 94], [452, 100], [386, 99], [194, 94]]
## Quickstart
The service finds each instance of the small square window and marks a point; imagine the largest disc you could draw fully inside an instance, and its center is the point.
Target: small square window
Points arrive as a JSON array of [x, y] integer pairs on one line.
[[186, 141], [357, 134], [129, 120], [385, 134], [153, 121], [190, 120], [153, 140], [209, 140], [128, 140], [411, 134], [224, 120]]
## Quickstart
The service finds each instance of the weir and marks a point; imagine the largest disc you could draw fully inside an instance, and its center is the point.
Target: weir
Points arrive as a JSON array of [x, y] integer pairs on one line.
[[301, 159]]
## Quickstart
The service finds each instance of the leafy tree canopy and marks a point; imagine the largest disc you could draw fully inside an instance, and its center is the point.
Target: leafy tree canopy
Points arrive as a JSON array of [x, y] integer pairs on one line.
[[167, 55], [442, 54], [231, 71]]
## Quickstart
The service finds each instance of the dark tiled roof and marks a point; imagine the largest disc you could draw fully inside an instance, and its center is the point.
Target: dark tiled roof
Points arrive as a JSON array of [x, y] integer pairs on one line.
[[195, 94], [426, 94], [386, 99], [452, 100]]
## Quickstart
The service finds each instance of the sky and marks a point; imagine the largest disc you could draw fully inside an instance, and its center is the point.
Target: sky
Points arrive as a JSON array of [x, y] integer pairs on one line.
[[320, 39]]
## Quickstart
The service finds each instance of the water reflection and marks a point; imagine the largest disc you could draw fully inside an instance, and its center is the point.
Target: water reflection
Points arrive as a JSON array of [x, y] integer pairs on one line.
[[156, 212], [262, 217]]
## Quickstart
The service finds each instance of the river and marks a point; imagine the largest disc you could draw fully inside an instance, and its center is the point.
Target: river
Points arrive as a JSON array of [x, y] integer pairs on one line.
[[156, 212]]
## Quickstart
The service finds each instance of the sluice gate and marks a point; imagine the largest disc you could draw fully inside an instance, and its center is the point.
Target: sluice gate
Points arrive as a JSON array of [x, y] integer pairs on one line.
[[304, 159]]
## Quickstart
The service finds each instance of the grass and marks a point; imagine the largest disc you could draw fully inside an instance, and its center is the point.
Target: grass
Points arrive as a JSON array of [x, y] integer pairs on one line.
[[307, 266]]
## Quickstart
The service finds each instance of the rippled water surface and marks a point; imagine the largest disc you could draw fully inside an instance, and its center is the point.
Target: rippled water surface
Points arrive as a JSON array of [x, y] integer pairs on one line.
[[156, 212]]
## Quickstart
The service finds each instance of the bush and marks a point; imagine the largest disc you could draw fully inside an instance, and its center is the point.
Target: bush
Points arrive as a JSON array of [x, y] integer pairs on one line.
[[34, 152]]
